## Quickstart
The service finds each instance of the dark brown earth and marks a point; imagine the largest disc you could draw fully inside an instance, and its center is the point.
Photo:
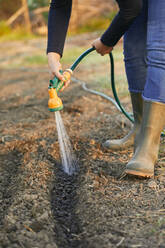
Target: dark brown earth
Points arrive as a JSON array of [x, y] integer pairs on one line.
[[41, 206]]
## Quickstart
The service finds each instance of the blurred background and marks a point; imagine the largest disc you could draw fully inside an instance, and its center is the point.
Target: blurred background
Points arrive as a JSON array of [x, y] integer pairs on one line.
[[23, 17]]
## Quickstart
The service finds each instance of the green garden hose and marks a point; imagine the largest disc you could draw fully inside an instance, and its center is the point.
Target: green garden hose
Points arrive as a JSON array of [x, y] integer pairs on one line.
[[118, 104]]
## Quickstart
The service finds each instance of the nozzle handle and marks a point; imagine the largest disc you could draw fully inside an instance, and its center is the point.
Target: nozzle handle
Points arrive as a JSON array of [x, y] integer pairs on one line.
[[56, 83]]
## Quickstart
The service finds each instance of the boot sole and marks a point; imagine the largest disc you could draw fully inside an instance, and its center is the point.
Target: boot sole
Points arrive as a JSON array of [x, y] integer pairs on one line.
[[139, 173], [116, 148]]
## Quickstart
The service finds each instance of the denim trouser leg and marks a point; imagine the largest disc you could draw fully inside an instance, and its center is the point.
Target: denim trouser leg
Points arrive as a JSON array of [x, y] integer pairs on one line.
[[155, 83], [135, 51]]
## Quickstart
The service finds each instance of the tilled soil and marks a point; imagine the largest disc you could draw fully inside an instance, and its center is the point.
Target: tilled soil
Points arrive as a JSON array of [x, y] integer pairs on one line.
[[41, 206]]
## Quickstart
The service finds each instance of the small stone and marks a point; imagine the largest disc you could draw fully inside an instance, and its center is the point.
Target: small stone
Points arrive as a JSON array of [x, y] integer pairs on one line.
[[92, 142], [43, 217], [152, 184], [14, 246], [36, 226], [51, 246], [10, 220], [11, 228], [30, 234], [161, 178], [30, 197], [43, 236]]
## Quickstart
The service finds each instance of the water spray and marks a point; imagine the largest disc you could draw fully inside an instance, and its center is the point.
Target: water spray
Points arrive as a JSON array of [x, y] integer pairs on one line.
[[69, 162]]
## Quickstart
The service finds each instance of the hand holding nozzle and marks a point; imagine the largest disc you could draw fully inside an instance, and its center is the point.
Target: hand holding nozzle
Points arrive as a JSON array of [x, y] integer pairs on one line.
[[55, 69], [67, 76]]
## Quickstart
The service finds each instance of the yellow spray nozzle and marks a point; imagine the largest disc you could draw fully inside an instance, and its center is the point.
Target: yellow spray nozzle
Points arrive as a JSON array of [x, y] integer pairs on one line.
[[54, 103]]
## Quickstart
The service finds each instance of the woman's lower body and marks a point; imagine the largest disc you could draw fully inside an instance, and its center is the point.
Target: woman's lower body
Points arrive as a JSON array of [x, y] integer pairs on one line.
[[136, 70], [144, 52]]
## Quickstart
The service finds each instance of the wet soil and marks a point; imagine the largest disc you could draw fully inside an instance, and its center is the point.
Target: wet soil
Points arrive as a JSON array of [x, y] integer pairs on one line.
[[41, 206]]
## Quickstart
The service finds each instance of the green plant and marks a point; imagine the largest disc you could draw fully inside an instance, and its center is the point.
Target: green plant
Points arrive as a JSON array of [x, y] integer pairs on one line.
[[4, 28], [18, 33], [97, 23], [35, 60], [33, 4]]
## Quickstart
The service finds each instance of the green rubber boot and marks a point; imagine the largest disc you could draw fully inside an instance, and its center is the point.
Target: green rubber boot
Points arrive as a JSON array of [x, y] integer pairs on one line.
[[147, 141], [128, 140]]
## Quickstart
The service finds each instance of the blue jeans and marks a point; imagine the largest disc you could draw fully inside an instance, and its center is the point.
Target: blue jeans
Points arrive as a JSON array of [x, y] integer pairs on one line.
[[144, 52]]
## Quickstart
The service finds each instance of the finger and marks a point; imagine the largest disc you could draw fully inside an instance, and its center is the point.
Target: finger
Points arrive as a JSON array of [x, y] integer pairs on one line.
[[65, 85], [98, 51], [102, 53], [57, 74], [93, 46], [93, 43], [52, 75]]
